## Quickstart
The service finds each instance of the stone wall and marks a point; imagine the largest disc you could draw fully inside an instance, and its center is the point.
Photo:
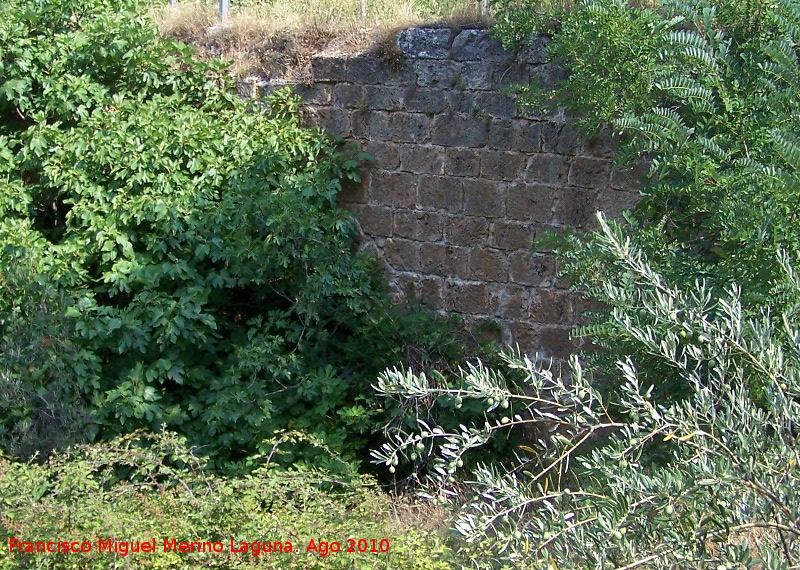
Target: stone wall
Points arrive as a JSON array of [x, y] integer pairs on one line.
[[463, 181]]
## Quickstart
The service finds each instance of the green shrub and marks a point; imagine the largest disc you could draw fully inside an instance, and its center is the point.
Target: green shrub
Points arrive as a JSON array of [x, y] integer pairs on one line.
[[169, 494], [206, 279], [712, 481]]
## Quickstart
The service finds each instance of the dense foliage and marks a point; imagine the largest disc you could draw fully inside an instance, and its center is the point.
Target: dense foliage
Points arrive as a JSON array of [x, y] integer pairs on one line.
[[169, 494], [170, 255], [712, 481], [706, 93], [678, 446]]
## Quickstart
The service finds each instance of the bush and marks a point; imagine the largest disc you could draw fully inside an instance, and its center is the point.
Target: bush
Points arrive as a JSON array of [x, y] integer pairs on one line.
[[702, 92], [712, 481], [145, 487], [206, 279]]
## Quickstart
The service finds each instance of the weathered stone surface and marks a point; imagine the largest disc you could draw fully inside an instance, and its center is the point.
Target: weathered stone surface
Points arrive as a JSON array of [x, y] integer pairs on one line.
[[512, 235], [488, 265], [397, 189], [335, 121], [614, 202], [529, 202], [353, 191], [515, 134], [424, 43], [416, 225], [402, 254], [411, 127], [487, 103], [478, 45], [384, 98], [509, 300], [372, 125], [425, 289], [440, 193], [364, 68], [442, 259], [435, 74], [531, 269], [374, 220], [466, 297], [482, 198], [575, 207], [589, 172], [474, 76], [349, 96], [462, 162], [425, 100], [460, 130], [422, 159], [561, 138], [466, 230], [551, 306], [386, 154], [502, 165], [552, 169], [555, 341], [328, 68]]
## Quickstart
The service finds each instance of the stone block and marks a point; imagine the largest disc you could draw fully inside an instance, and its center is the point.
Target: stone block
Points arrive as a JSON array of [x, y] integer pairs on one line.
[[511, 75], [349, 96], [440, 193], [525, 334], [482, 198], [589, 172], [422, 159], [372, 125], [575, 207], [509, 301], [444, 260], [498, 165], [424, 289], [425, 100], [555, 341], [548, 169], [561, 138], [473, 76], [460, 130], [327, 68], [381, 97], [462, 162], [402, 254], [335, 121], [527, 136], [353, 191], [466, 297], [365, 69], [421, 226], [615, 202], [478, 45], [548, 75], [466, 230], [374, 220], [411, 127], [435, 74], [488, 104], [535, 269], [424, 43], [316, 93], [603, 144], [512, 235], [529, 202], [487, 264], [397, 189], [386, 154], [501, 134], [551, 306], [485, 330]]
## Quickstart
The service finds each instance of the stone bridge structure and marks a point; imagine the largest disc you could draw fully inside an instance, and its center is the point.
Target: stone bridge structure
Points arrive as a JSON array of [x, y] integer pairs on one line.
[[464, 180]]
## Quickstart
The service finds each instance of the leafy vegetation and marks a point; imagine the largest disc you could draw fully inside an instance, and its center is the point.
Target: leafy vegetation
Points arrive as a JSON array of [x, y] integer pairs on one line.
[[678, 446], [169, 494], [193, 268]]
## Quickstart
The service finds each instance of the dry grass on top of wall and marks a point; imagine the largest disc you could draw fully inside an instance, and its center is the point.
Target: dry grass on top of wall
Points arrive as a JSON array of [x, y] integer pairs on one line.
[[277, 38]]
